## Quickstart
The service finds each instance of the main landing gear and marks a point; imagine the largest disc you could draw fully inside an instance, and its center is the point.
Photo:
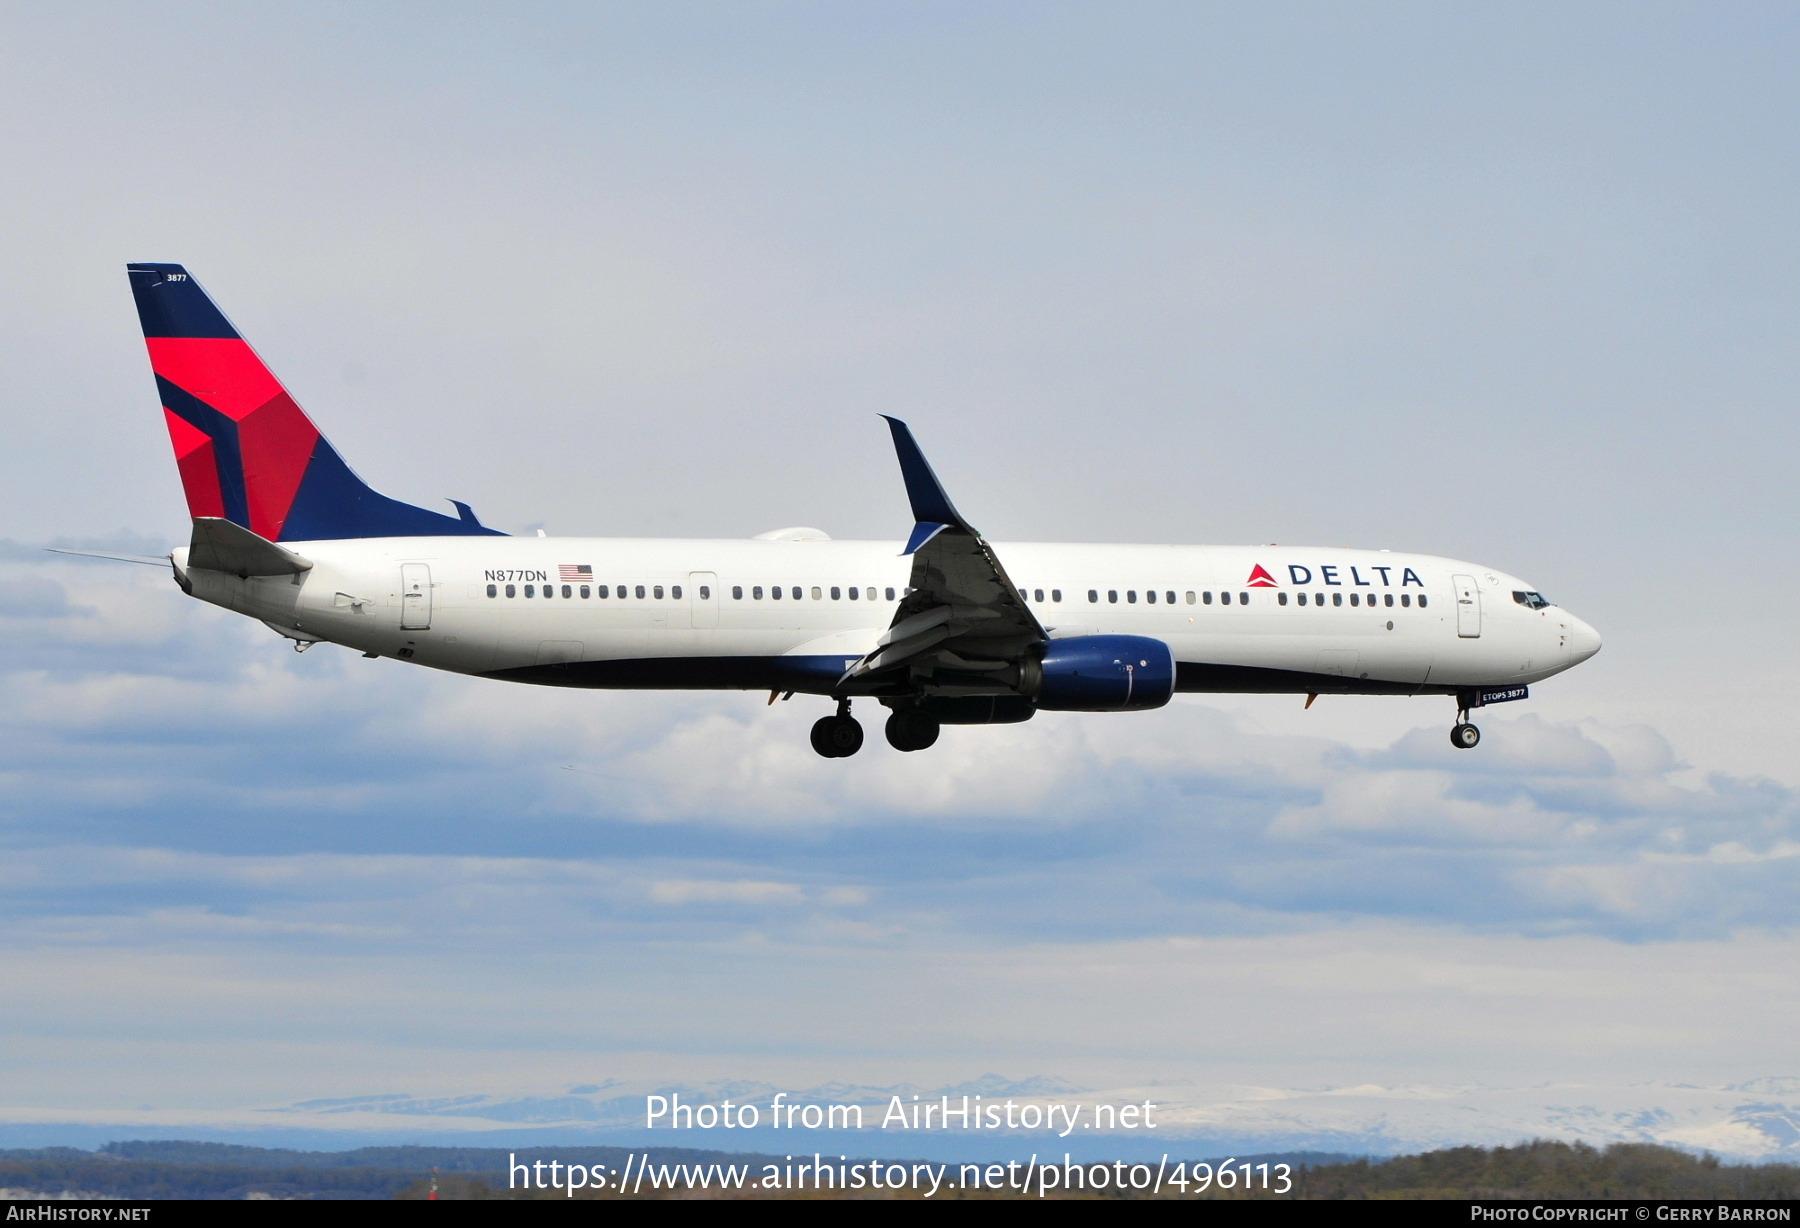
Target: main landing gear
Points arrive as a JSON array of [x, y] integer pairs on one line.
[[1463, 735], [911, 729], [839, 736]]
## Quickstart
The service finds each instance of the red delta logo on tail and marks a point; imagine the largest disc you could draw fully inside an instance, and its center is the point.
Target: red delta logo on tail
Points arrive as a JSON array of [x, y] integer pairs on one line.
[[247, 453], [275, 440], [1260, 578]]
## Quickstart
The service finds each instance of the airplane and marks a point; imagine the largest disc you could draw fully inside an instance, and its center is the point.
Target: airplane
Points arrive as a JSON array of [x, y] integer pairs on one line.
[[937, 629]]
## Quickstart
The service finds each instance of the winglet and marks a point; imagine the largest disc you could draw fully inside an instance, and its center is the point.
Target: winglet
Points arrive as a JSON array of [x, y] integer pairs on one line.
[[931, 507]]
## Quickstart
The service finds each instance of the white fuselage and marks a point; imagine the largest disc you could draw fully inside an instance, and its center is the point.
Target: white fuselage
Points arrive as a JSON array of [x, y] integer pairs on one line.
[[1373, 620]]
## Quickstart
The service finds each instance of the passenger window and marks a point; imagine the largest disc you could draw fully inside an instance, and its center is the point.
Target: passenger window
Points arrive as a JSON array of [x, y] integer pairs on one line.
[[756, 593], [1337, 599], [1112, 595], [1037, 594], [493, 590], [737, 592], [510, 592], [584, 592], [657, 592], [549, 590], [1301, 598], [675, 592], [1405, 599], [834, 593], [890, 594], [706, 592], [640, 592], [1243, 598], [530, 591], [1421, 601], [1131, 597], [1056, 595], [1388, 599], [1093, 595], [1207, 596], [1170, 596], [1354, 600], [568, 591], [1280, 598], [1150, 597], [775, 592], [796, 592], [817, 595], [1224, 598], [1190, 597]]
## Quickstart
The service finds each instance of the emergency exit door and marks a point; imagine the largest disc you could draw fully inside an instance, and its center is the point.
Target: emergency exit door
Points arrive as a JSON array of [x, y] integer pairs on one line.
[[703, 589]]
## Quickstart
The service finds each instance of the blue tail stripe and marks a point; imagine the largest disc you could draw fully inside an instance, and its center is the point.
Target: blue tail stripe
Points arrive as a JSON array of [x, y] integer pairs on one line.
[[226, 454]]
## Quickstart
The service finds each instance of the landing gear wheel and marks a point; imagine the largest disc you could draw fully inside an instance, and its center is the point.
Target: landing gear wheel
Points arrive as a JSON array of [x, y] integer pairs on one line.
[[837, 737], [1464, 736], [910, 729]]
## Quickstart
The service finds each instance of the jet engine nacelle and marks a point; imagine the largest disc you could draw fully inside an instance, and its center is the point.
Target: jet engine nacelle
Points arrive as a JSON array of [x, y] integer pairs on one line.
[[1102, 673]]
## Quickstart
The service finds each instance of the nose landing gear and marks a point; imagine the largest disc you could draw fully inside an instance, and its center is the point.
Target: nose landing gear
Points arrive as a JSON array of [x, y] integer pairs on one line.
[[838, 736]]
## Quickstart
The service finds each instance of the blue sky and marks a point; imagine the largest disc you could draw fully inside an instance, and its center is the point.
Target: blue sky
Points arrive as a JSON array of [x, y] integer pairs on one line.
[[1512, 283]]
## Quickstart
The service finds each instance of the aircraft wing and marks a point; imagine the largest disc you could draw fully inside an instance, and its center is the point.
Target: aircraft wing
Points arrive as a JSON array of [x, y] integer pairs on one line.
[[963, 624]]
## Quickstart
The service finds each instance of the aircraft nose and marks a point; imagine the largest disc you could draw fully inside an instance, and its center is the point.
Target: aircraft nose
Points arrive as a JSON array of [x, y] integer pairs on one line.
[[1584, 641]]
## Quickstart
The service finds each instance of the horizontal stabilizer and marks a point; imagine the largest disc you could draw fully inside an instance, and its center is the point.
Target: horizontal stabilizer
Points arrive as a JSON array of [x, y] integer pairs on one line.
[[220, 545]]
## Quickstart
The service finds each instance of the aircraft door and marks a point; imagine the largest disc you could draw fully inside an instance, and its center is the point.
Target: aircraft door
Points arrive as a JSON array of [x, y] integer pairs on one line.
[[703, 591], [1468, 607], [415, 597]]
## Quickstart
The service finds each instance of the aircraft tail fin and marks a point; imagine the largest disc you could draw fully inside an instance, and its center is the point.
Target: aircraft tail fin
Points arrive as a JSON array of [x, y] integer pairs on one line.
[[247, 453]]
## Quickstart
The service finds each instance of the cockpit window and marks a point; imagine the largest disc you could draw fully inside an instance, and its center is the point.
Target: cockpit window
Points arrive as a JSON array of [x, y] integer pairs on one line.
[[1531, 601]]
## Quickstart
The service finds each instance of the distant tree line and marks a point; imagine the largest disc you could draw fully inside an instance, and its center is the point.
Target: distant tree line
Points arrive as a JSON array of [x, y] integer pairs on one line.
[[1543, 1169]]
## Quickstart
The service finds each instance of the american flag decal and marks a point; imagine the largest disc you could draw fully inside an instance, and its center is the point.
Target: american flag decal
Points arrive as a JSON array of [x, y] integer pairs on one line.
[[574, 571]]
